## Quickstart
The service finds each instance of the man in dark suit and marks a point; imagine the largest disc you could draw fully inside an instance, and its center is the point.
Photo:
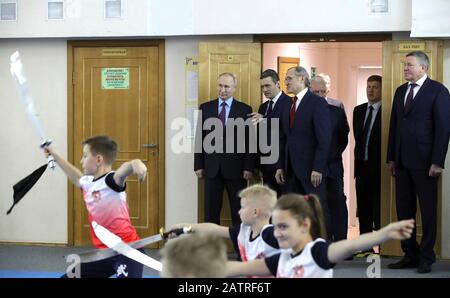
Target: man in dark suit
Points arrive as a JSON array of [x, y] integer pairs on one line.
[[305, 138], [335, 178], [268, 111], [367, 133], [223, 159], [418, 142]]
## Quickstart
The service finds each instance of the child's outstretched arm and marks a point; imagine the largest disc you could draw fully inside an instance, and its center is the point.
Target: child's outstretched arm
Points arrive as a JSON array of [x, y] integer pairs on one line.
[[256, 267], [135, 166], [399, 230], [73, 173], [206, 227]]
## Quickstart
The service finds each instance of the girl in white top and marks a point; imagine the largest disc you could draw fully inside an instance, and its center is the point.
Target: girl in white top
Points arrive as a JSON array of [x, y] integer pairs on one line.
[[299, 229]]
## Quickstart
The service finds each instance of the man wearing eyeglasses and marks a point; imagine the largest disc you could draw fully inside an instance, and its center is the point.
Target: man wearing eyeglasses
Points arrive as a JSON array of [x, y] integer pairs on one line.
[[418, 142]]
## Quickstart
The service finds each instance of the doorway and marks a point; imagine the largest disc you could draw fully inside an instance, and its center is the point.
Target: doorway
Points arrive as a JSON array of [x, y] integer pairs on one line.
[[117, 89], [348, 64]]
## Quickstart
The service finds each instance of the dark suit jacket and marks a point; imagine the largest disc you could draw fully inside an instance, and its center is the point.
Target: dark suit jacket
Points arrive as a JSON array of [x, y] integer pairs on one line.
[[421, 136], [374, 146], [230, 165], [339, 141], [307, 144], [282, 101]]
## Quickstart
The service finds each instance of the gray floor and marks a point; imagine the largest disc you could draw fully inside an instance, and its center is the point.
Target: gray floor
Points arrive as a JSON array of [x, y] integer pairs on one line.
[[32, 260]]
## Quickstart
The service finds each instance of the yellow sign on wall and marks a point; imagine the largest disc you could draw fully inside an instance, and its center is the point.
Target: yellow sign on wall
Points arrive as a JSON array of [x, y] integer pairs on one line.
[[411, 46], [114, 52], [115, 78]]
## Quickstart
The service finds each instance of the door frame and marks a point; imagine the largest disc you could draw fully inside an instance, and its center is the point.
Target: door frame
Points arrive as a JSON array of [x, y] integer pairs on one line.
[[388, 198], [317, 38], [387, 95], [71, 79]]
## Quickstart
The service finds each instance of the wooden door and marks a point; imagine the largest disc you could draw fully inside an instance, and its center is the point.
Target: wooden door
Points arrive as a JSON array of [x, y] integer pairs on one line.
[[393, 62], [117, 91], [284, 63], [243, 60]]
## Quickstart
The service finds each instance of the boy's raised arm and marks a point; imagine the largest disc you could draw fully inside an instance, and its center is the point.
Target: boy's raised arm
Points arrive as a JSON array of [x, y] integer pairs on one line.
[[72, 173], [135, 166]]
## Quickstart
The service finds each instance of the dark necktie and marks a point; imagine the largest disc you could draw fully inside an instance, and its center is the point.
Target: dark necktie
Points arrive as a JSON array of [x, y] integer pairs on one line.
[[409, 98], [269, 109], [292, 113], [366, 131], [222, 114]]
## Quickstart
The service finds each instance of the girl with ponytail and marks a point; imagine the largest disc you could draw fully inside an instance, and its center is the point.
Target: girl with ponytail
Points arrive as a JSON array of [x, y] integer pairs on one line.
[[300, 232]]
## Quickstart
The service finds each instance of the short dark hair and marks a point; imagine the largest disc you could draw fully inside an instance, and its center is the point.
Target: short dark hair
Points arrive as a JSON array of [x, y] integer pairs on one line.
[[270, 73], [103, 145], [374, 78], [421, 56]]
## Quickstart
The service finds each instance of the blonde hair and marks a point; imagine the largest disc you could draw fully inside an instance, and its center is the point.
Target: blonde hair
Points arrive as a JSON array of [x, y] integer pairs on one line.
[[200, 255], [303, 207], [262, 196]]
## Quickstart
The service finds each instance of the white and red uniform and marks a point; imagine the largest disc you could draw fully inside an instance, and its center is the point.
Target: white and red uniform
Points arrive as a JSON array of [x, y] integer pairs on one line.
[[262, 246], [106, 203], [312, 261]]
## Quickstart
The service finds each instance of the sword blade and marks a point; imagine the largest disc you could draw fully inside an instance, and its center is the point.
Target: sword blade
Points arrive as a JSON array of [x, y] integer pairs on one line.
[[113, 241], [101, 254], [18, 74], [21, 81]]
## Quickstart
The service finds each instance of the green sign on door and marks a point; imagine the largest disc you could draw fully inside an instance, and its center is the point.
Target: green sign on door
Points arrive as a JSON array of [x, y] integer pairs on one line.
[[115, 78]]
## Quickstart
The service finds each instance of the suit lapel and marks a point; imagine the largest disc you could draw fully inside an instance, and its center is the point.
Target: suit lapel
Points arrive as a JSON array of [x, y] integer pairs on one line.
[[401, 101], [215, 108], [377, 122], [233, 109], [279, 103], [418, 96], [263, 108], [301, 107], [362, 118]]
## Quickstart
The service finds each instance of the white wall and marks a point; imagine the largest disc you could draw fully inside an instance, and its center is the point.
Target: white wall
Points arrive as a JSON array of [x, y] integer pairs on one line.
[[430, 18], [82, 18], [85, 18], [41, 216], [293, 16]]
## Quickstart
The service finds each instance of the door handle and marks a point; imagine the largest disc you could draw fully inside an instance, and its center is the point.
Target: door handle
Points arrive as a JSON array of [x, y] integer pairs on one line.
[[149, 145]]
